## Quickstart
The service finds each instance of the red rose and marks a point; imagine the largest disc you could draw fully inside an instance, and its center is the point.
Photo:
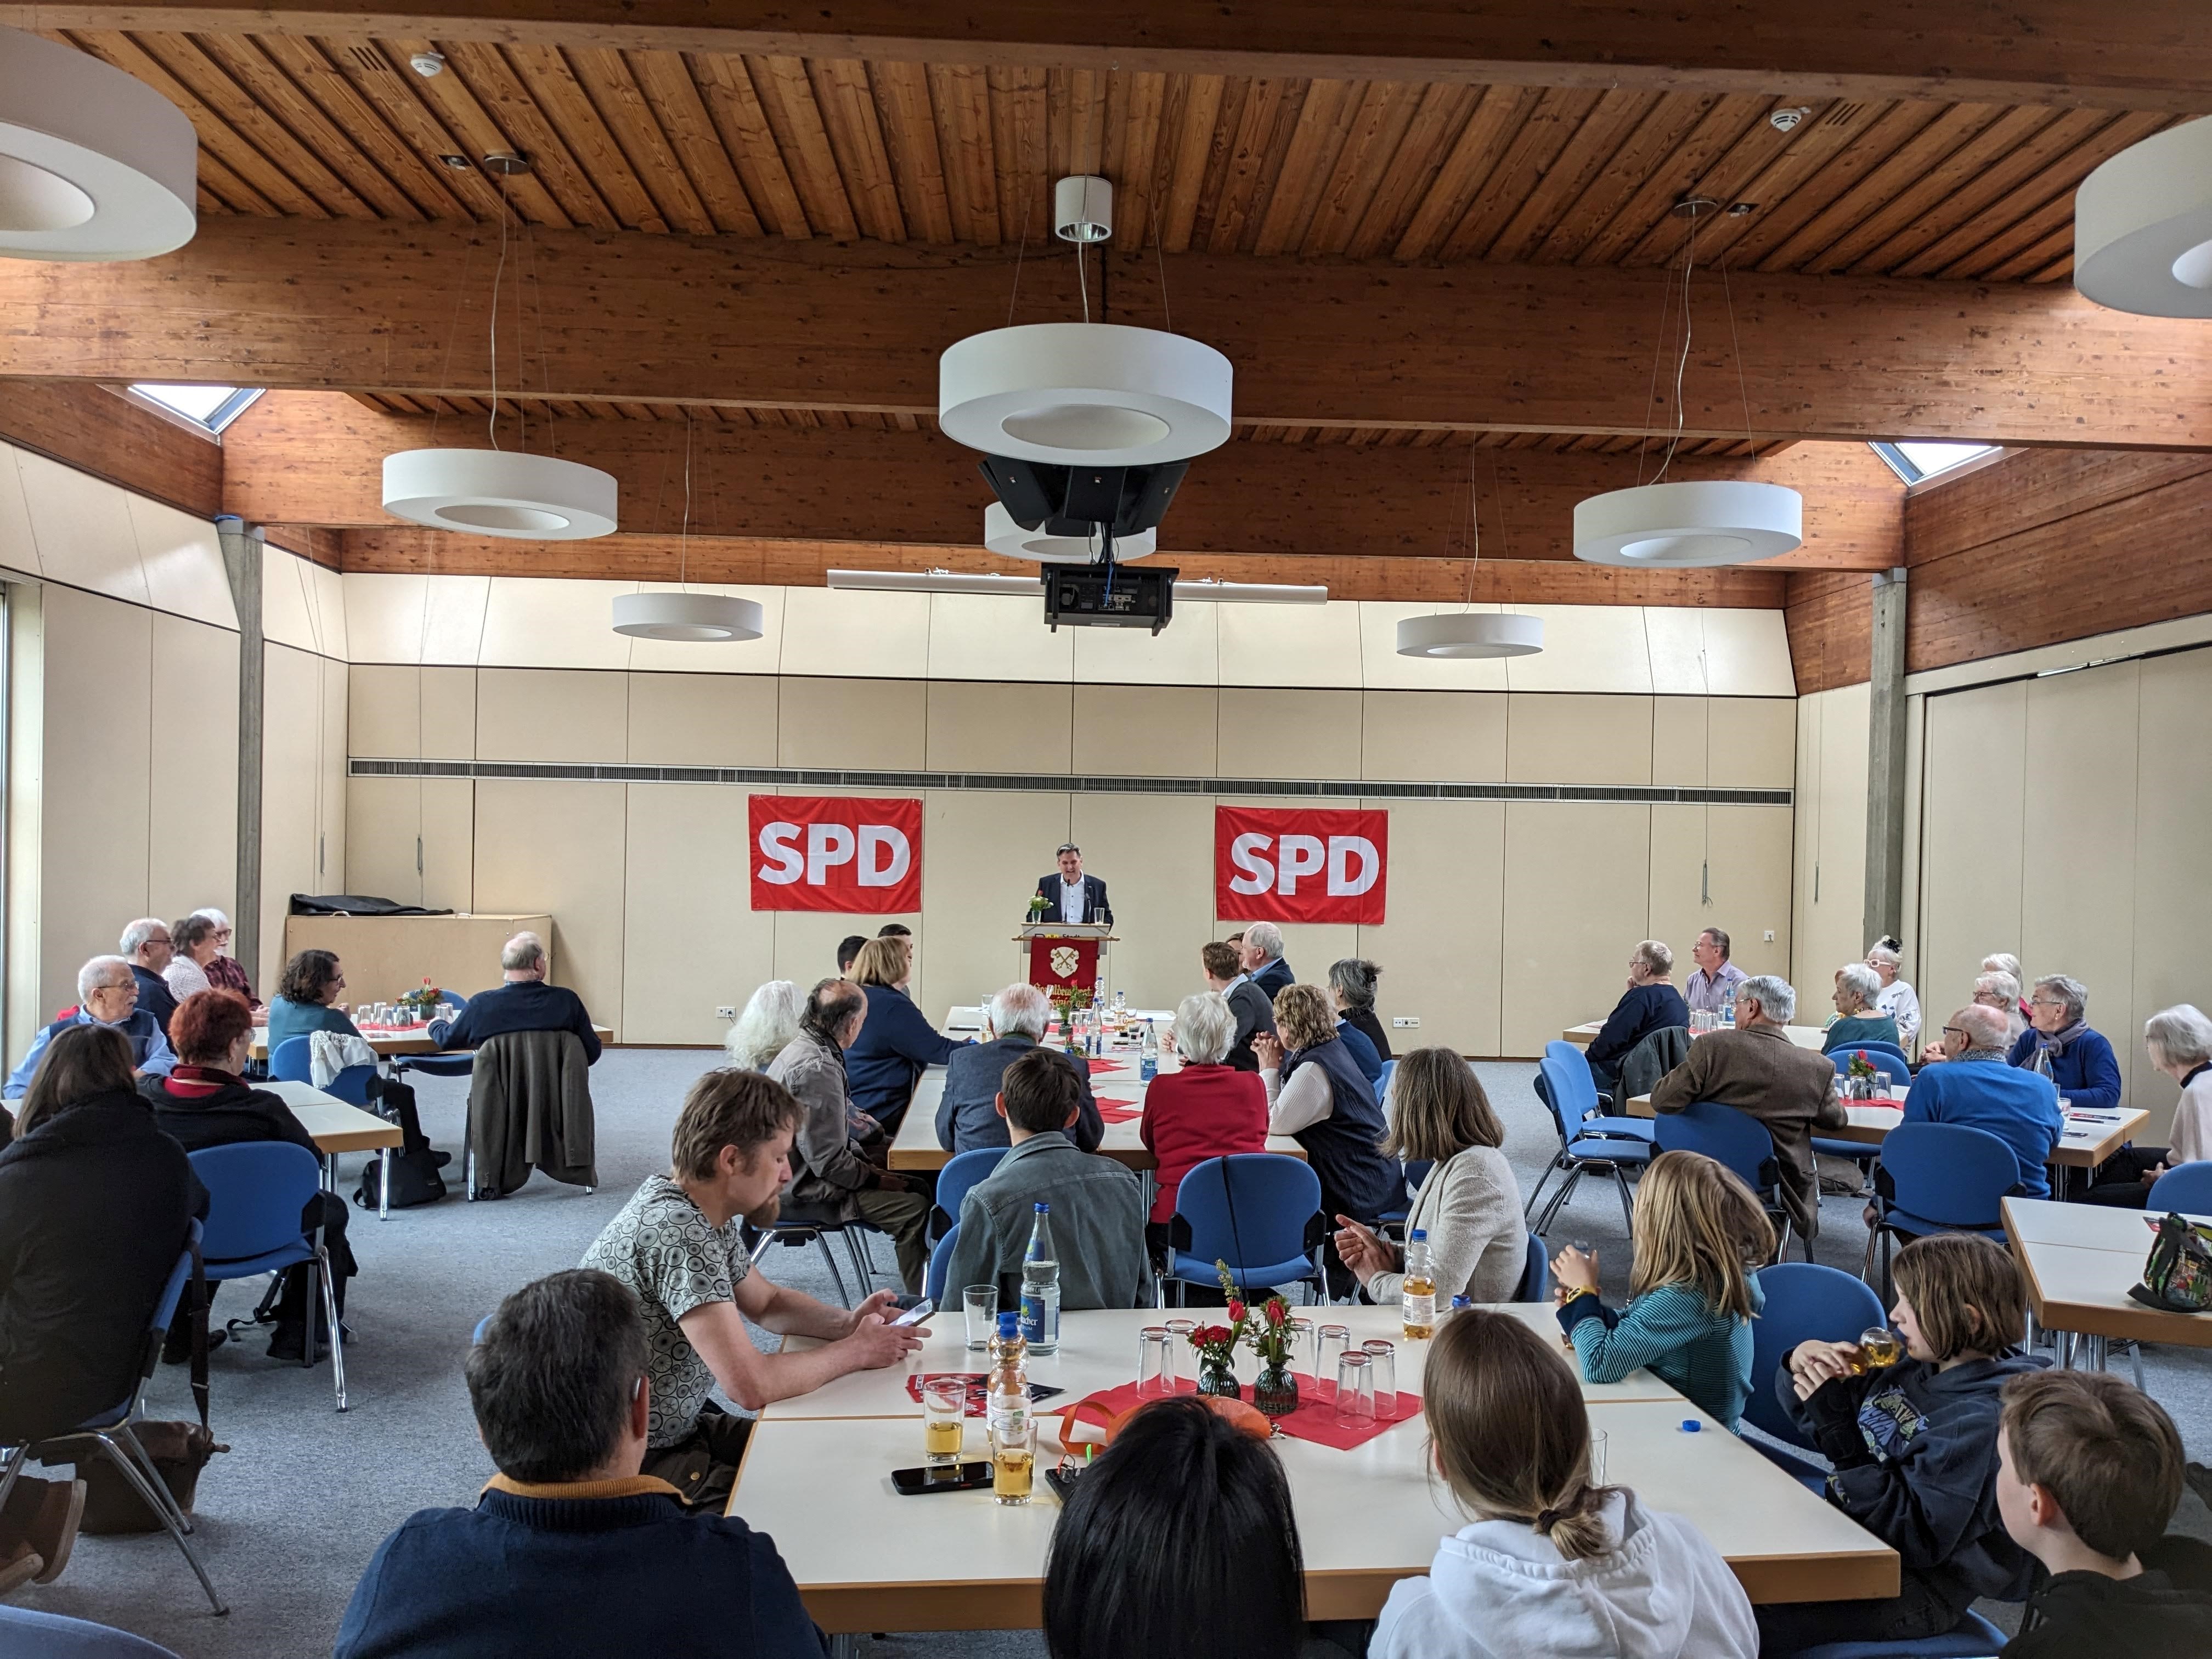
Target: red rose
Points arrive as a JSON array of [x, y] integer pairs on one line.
[[1236, 1312]]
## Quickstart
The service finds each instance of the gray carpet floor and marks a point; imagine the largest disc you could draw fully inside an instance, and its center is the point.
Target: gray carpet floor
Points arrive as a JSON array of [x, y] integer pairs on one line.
[[291, 1513]]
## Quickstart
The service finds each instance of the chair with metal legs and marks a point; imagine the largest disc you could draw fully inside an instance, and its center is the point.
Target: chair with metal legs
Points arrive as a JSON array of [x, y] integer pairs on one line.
[[257, 1192]]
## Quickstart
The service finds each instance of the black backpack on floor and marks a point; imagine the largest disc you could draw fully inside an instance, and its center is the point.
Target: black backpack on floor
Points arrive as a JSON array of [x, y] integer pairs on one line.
[[415, 1180]]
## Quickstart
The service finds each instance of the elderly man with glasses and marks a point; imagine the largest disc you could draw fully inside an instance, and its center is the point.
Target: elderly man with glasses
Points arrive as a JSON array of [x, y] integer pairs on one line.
[[148, 947], [107, 994], [1978, 1089], [2060, 1044]]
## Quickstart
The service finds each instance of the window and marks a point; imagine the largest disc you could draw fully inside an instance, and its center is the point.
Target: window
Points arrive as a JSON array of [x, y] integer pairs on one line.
[[1916, 462], [211, 408]]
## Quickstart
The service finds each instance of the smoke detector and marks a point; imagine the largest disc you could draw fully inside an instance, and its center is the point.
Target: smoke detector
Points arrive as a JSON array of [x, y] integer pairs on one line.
[[427, 63], [1787, 120], [1083, 209]]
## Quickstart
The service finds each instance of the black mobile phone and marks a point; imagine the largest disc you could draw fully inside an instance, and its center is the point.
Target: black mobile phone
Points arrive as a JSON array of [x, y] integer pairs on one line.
[[940, 1477]]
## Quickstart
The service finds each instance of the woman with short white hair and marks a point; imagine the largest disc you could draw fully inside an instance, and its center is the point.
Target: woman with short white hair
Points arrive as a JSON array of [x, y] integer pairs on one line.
[[1999, 988], [1858, 1021], [2065, 1048], [768, 1024], [225, 972], [2179, 1041], [2003, 961], [1205, 1109], [1896, 998]]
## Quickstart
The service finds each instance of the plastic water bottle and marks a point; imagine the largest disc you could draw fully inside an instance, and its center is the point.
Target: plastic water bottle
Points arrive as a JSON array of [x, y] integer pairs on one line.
[[1006, 1396], [1040, 1319], [1728, 1009], [1148, 1057], [1419, 1298]]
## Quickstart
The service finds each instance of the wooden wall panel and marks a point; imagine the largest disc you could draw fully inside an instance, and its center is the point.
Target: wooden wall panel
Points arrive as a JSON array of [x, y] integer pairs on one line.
[[1830, 616], [98, 431]]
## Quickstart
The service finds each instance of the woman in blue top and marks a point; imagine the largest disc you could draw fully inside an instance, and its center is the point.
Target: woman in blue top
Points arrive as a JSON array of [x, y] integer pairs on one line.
[[2063, 1046], [1858, 1021], [897, 1040], [311, 983]]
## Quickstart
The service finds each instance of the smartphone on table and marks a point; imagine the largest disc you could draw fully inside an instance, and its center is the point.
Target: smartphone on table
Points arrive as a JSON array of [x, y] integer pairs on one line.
[[940, 1477]]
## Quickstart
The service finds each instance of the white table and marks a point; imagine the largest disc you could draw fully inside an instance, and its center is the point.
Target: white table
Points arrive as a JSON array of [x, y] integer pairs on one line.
[[1805, 1037], [391, 1044], [2079, 1260], [2084, 1142]]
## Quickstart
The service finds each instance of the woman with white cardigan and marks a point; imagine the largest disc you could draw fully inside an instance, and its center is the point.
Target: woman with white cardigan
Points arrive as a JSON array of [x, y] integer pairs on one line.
[[1468, 1204]]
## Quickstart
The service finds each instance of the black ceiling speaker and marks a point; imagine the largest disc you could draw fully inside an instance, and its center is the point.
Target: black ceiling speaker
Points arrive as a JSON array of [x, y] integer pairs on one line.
[[1077, 500]]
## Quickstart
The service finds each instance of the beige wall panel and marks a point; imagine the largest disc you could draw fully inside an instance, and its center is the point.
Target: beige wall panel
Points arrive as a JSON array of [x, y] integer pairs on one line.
[[1380, 666], [982, 727], [96, 781], [1147, 731], [1288, 733], [831, 630], [1433, 737], [1577, 893], [384, 819], [533, 622], [1674, 637], [2078, 843], [851, 723], [407, 619], [22, 810], [691, 939], [702, 719], [805, 943], [326, 588], [1187, 652], [2174, 899], [983, 851], [1289, 644], [1828, 899], [395, 711], [1681, 739], [19, 543], [1566, 739], [556, 847], [182, 560], [83, 528], [294, 855], [1973, 838], [192, 852], [1586, 647], [998, 636], [713, 657], [331, 793], [1442, 949], [1747, 653], [288, 606], [1746, 851], [1726, 743], [551, 714], [1155, 853]]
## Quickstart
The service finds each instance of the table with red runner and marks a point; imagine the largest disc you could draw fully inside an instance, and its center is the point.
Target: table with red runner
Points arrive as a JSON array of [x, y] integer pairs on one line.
[[1313, 1420]]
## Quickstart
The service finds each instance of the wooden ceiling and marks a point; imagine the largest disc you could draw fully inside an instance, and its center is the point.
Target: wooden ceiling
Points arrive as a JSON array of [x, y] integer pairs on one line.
[[310, 126]]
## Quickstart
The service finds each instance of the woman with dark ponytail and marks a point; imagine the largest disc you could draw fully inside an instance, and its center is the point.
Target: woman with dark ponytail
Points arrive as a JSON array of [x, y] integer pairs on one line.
[[1553, 1563]]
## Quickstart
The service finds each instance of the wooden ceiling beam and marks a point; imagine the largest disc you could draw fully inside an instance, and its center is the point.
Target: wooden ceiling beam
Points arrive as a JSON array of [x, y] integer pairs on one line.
[[309, 458], [2143, 55]]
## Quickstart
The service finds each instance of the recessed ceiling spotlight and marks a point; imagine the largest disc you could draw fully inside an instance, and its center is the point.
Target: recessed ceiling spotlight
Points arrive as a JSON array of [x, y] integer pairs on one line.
[[507, 162], [427, 63], [1787, 120], [459, 163], [1737, 209]]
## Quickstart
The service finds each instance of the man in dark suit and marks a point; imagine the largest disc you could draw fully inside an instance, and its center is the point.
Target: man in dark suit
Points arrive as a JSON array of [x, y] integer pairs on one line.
[[1071, 896], [1255, 1013], [1262, 958], [968, 1113]]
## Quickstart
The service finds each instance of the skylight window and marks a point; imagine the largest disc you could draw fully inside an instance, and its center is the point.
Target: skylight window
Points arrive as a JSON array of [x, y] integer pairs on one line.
[[1916, 462], [210, 407]]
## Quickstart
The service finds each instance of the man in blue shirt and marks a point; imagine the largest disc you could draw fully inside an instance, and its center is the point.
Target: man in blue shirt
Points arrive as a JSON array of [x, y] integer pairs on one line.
[[524, 1003], [107, 994], [1975, 1088]]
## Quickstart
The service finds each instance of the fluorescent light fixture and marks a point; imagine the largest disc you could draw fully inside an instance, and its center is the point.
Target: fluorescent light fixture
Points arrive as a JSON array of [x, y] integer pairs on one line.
[[1196, 591]]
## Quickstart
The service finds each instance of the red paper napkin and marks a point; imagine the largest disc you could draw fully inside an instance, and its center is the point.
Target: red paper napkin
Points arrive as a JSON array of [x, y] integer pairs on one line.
[[1098, 1066], [1315, 1421], [1113, 1110]]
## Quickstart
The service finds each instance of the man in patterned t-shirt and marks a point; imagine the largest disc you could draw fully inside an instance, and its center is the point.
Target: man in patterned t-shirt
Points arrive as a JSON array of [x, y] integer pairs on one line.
[[676, 1245]]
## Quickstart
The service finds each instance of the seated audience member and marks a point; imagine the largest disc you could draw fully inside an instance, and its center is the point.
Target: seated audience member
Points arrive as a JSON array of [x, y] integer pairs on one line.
[[1468, 1203], [1915, 1445], [224, 971], [1179, 1541], [148, 948], [898, 1041], [523, 1001], [1896, 998], [1977, 1089], [1551, 1562], [2179, 1041], [306, 1002], [2086, 1467], [1706, 990], [1756, 1069], [1098, 1205], [569, 1552], [205, 1102], [766, 1027], [1205, 1109], [1351, 981], [1697, 1235], [1356, 1043], [677, 1244], [2003, 961], [1650, 1002], [194, 939], [1995, 988], [1255, 1011], [848, 952], [95, 1203], [1856, 1022], [968, 1113], [833, 1158], [2066, 1048], [1260, 954], [106, 996], [1316, 1095]]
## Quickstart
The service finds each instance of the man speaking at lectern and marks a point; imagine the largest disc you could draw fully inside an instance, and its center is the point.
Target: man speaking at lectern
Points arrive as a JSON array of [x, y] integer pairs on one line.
[[1071, 896]]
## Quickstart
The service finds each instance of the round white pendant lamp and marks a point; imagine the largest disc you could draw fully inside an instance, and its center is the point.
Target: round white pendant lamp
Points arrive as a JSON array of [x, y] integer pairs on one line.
[[493, 492], [701, 618], [1004, 535], [1085, 394], [1470, 633], [1684, 526], [94, 164], [2142, 226]]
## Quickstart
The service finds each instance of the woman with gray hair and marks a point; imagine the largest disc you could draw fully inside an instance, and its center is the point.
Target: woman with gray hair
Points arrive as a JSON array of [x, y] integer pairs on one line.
[[769, 1022], [1999, 988], [2063, 1046], [2179, 1041], [1205, 1110], [1651, 1001], [1352, 982], [226, 972], [1858, 1021], [1896, 998]]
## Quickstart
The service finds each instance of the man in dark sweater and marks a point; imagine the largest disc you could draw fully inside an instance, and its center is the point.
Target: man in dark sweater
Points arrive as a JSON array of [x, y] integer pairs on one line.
[[569, 1552], [1649, 1002], [148, 948], [524, 1003], [968, 1114]]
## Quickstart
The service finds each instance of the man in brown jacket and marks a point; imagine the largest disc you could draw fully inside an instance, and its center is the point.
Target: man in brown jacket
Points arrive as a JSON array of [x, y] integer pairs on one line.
[[1758, 1070]]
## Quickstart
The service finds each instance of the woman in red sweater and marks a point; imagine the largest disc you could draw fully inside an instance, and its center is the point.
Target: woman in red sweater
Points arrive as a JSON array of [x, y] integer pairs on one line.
[[1207, 1109]]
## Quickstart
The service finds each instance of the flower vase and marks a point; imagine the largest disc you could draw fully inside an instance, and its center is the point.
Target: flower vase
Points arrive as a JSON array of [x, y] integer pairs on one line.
[[1276, 1392], [1215, 1377]]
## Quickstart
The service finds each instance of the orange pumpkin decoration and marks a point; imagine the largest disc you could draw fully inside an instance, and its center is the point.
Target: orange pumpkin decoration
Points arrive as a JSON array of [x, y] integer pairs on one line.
[[1239, 1413]]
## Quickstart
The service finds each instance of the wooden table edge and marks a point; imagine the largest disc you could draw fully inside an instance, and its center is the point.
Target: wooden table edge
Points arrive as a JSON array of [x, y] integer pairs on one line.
[[361, 1140]]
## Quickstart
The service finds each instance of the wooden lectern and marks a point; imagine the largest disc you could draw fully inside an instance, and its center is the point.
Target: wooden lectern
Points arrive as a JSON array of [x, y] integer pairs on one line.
[[1064, 955]]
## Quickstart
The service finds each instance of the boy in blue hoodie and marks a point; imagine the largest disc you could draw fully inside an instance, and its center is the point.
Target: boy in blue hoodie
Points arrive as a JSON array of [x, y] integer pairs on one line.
[[1915, 1445]]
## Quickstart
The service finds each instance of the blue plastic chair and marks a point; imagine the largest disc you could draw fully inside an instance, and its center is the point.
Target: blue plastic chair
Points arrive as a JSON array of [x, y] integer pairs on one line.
[[256, 1191], [118, 1442], [1580, 1154], [1737, 1141], [1805, 1302], [1944, 1178], [1383, 1084], [2185, 1187], [940, 1262], [25, 1634], [1879, 1055], [1581, 1104], [1972, 1637], [290, 1063], [1536, 1277], [459, 1065], [1258, 1212], [959, 1174]]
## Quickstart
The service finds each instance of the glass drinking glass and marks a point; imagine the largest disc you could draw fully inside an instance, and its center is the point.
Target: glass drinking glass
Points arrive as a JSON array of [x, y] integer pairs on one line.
[[945, 1413], [1301, 1345], [1156, 1363], [1181, 1329], [1382, 1368], [1355, 1389], [1597, 1457], [1334, 1341], [1879, 1348], [1013, 1458], [980, 1302]]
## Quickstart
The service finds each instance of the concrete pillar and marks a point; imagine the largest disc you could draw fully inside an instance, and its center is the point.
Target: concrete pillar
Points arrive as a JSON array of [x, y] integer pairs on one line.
[[1885, 841], [241, 562]]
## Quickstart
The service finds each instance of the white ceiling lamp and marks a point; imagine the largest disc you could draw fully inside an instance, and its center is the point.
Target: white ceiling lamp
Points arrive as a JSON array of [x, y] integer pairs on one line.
[[1687, 525], [1004, 535], [94, 164], [1467, 632], [1200, 590], [697, 618], [497, 492], [1085, 394], [2142, 226]]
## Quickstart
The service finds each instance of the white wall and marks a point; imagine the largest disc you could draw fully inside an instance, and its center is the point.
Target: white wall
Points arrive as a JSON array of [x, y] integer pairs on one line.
[[1829, 880]]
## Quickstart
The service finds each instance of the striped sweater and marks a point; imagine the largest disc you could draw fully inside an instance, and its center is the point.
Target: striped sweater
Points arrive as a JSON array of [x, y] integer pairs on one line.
[[1678, 1335]]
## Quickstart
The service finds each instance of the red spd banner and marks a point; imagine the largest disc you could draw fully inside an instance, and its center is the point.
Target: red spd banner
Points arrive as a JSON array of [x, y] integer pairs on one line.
[[860, 856], [1276, 865]]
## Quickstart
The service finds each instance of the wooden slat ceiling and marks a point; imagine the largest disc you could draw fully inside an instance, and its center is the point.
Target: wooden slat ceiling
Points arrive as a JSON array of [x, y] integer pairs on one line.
[[948, 152]]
